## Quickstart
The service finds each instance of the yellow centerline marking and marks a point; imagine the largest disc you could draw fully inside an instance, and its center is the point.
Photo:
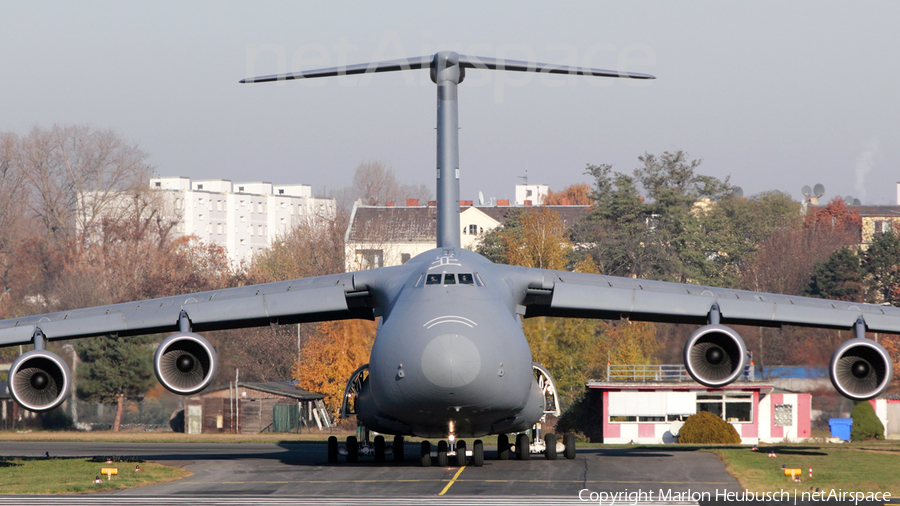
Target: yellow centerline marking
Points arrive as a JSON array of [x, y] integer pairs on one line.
[[452, 480]]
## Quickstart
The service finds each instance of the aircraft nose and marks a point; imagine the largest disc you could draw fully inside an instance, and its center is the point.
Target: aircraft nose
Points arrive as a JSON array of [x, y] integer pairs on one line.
[[451, 361]]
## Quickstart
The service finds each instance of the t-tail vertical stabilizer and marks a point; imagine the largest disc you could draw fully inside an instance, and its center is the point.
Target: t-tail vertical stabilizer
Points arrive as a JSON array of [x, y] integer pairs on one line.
[[448, 69]]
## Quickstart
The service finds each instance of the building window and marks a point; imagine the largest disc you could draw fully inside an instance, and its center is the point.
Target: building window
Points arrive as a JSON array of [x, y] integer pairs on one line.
[[731, 406], [882, 226], [158, 184], [281, 191], [240, 189], [199, 186], [784, 415], [370, 258], [404, 257], [473, 229]]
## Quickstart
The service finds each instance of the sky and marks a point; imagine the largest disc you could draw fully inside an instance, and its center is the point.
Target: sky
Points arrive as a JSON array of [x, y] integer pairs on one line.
[[775, 95]]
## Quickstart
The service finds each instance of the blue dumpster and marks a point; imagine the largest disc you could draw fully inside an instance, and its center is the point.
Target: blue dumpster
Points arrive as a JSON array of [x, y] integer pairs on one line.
[[840, 427]]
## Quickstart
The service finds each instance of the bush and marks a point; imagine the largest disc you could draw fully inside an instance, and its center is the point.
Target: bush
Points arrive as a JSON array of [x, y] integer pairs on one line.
[[866, 424], [707, 428]]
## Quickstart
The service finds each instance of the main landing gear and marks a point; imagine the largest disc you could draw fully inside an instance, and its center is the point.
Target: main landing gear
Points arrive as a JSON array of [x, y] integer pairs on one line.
[[356, 447]]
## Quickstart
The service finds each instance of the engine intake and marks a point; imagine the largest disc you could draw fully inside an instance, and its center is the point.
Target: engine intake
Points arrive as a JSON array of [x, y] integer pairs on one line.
[[860, 369], [39, 380], [185, 363], [714, 355]]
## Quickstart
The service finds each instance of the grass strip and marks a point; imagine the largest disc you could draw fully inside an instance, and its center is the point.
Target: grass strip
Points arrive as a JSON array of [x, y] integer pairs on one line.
[[76, 475], [856, 469]]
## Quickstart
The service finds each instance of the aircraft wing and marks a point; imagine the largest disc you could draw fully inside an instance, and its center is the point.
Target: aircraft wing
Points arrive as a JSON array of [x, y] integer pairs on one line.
[[559, 293], [321, 298]]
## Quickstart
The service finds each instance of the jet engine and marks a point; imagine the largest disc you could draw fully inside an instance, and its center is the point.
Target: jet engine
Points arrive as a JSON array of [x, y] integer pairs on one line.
[[714, 355], [185, 363], [39, 380], [860, 369]]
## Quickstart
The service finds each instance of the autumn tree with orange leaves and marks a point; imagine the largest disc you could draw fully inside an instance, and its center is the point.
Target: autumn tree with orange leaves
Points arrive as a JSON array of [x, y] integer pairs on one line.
[[328, 359], [572, 195]]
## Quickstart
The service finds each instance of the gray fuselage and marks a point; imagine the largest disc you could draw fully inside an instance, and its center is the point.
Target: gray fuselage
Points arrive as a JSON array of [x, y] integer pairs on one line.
[[450, 355]]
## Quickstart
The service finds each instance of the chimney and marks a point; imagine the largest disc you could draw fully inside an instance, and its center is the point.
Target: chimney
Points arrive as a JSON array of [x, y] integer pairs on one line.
[[432, 204], [464, 203], [503, 202], [527, 202], [389, 204], [412, 202]]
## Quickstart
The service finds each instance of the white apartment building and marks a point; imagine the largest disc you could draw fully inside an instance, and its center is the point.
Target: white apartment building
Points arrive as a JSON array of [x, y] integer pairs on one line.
[[243, 218]]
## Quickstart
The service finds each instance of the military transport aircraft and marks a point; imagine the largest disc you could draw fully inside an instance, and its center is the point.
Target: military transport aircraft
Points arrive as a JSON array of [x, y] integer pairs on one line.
[[450, 359]]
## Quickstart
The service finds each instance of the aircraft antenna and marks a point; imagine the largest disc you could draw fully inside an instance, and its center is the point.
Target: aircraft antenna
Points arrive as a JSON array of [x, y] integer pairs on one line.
[[448, 69]]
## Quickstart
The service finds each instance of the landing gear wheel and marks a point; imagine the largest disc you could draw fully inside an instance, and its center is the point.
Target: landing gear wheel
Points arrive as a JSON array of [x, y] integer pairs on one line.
[[460, 453], [426, 454], [550, 446], [569, 441], [332, 450], [522, 450], [352, 449], [502, 447], [398, 448], [477, 453], [443, 460], [379, 448]]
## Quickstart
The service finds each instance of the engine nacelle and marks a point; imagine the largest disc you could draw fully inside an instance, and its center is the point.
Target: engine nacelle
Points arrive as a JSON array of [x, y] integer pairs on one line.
[[714, 355], [860, 369], [39, 380], [185, 363]]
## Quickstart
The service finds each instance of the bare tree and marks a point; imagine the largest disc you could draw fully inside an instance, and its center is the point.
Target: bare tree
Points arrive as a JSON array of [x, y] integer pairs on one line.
[[76, 172], [376, 183]]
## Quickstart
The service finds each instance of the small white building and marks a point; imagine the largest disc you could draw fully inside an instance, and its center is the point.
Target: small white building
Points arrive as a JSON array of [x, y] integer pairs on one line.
[[652, 412], [531, 194], [243, 218], [888, 410]]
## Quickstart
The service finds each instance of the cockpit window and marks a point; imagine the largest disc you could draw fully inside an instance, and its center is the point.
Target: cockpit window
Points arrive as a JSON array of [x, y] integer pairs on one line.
[[433, 279], [449, 279], [466, 279]]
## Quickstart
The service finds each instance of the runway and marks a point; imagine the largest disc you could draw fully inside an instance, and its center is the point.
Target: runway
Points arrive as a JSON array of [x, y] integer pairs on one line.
[[249, 473]]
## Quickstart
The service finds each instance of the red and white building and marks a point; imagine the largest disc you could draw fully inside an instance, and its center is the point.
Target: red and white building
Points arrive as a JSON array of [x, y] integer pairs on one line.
[[652, 412]]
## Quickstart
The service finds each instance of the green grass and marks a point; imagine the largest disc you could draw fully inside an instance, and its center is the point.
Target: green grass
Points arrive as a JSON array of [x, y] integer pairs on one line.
[[864, 468], [72, 476]]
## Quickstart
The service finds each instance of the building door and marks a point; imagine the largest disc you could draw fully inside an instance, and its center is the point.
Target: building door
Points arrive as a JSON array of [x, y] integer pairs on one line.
[[284, 417], [892, 430], [194, 419]]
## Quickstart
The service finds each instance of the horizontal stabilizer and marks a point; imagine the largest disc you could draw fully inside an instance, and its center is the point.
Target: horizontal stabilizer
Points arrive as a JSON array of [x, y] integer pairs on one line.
[[481, 62], [424, 62]]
